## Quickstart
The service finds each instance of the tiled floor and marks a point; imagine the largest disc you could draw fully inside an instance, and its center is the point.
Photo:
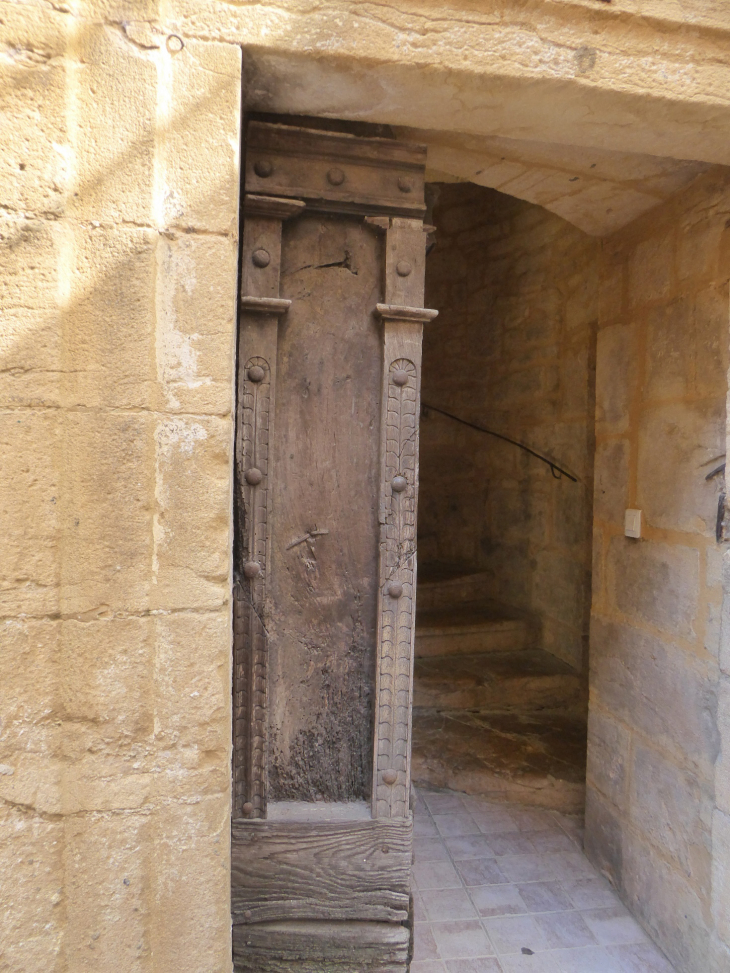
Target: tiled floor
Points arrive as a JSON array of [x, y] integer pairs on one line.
[[504, 889]]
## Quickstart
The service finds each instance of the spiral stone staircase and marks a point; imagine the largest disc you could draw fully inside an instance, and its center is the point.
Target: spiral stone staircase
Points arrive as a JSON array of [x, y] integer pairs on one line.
[[494, 714]]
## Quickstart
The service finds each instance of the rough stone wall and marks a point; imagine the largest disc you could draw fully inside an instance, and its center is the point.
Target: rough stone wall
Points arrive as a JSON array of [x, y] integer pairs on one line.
[[662, 358], [118, 223], [512, 350]]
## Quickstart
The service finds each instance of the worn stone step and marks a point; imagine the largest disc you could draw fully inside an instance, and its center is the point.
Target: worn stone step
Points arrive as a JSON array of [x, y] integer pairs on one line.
[[537, 760], [461, 632], [527, 681], [444, 586]]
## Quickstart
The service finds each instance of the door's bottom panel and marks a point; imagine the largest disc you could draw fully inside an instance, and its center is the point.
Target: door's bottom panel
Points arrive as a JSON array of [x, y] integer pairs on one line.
[[321, 947]]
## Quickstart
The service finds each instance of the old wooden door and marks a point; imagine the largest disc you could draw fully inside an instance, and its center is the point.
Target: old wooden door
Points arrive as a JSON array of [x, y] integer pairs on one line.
[[327, 479]]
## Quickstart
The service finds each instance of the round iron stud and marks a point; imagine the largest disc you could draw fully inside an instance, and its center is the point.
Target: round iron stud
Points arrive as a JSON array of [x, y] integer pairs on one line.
[[405, 184], [253, 476], [261, 258], [251, 570], [335, 176], [263, 168], [399, 484], [385, 849], [256, 373], [403, 268], [389, 777], [400, 377], [395, 589]]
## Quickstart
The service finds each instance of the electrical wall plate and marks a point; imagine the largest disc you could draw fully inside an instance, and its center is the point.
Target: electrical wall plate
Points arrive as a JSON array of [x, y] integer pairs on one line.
[[632, 523]]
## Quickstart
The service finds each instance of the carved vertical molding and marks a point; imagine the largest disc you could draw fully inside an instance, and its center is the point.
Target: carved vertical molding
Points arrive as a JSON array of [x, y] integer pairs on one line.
[[261, 307], [403, 320]]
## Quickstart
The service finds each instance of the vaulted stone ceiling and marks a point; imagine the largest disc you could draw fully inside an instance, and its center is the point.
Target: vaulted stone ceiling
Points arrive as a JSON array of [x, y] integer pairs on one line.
[[597, 190]]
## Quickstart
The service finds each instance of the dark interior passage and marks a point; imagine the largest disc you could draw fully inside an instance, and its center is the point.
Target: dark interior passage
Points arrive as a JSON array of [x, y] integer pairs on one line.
[[504, 541]]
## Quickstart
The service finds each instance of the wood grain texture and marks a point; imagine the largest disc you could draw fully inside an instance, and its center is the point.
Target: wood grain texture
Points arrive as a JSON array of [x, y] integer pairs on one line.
[[374, 175], [321, 947], [347, 871], [322, 597]]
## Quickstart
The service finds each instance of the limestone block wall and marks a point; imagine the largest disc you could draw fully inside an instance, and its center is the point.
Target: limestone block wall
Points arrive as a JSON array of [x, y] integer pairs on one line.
[[512, 349], [118, 228], [656, 817]]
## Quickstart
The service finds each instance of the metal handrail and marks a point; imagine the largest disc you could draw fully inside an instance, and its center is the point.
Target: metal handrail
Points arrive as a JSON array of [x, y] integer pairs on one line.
[[557, 471]]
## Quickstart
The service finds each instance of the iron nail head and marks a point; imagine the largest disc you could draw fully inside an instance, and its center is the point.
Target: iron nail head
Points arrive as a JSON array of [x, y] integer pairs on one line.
[[263, 168]]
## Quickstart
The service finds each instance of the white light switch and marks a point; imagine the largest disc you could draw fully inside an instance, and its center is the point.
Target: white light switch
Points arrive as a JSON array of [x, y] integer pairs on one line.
[[632, 523]]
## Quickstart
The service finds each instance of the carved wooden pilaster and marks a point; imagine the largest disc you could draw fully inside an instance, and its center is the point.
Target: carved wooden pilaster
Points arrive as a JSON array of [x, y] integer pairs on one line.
[[403, 318], [260, 309]]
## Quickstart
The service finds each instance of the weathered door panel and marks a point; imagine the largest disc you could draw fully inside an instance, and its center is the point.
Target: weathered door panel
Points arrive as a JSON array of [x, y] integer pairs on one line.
[[339, 870], [325, 534], [324, 599]]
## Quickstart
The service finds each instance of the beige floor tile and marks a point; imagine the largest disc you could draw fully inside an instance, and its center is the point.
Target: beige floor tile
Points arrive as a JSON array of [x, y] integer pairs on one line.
[[419, 909], [483, 964], [448, 904], [535, 963], [494, 820], [515, 933], [548, 841], [643, 958], [590, 893], [588, 959], [430, 850], [564, 930], [533, 819], [424, 945], [533, 868], [424, 827], [438, 803], [492, 901], [544, 897], [505, 889], [513, 843], [450, 825], [481, 871], [461, 939], [436, 875], [614, 926], [469, 846]]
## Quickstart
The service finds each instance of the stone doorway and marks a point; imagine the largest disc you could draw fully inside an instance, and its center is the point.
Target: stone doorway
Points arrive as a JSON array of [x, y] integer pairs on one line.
[[603, 354], [504, 537]]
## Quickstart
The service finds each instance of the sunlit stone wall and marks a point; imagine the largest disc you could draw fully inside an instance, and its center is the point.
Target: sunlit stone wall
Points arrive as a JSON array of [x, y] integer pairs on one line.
[[118, 228], [657, 819]]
